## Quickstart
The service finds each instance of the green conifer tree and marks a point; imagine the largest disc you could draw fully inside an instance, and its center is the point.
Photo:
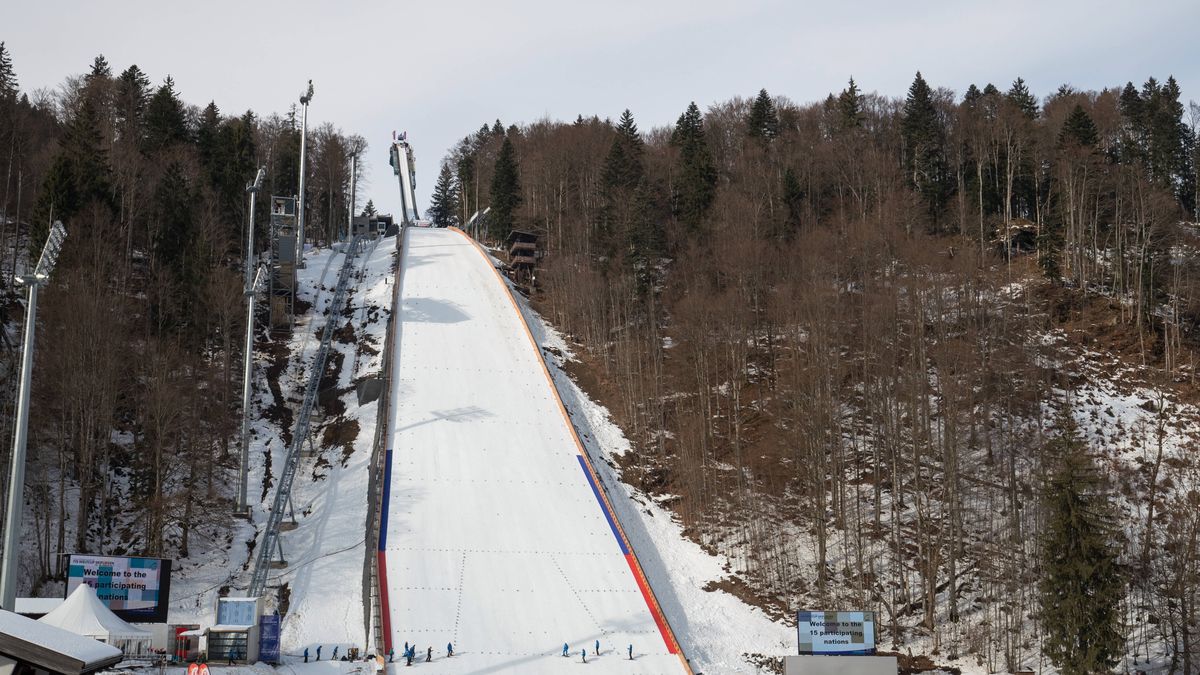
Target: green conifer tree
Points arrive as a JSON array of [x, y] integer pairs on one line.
[[78, 175], [174, 250], [369, 210], [505, 193], [131, 99], [763, 121], [8, 76], [1078, 130], [789, 220], [696, 178], [924, 146], [166, 122], [1020, 97], [443, 208], [850, 106], [100, 69], [1082, 583]]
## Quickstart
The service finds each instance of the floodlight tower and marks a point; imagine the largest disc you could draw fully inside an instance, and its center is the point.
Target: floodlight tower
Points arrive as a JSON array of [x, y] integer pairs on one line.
[[304, 99], [16, 484], [250, 289]]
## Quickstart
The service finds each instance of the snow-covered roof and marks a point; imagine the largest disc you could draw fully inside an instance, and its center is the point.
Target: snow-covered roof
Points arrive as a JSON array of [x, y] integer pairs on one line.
[[37, 606], [52, 648], [228, 628], [83, 614]]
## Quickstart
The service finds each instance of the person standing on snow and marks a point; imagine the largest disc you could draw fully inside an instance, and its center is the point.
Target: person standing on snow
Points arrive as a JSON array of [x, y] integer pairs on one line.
[[318, 652], [391, 654], [306, 654], [449, 649], [630, 652], [597, 648], [429, 655], [583, 654], [565, 648]]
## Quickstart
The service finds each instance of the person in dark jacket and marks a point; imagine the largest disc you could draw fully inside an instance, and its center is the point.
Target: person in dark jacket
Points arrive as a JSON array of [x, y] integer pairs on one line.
[[565, 649], [583, 654], [318, 652], [306, 654], [449, 649], [429, 655]]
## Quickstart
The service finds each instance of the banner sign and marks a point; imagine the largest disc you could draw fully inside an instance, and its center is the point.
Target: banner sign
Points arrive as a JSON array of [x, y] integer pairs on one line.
[[268, 638], [836, 633], [135, 589]]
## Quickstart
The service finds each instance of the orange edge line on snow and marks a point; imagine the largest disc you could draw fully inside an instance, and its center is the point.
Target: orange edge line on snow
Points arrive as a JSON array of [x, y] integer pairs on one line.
[[635, 565]]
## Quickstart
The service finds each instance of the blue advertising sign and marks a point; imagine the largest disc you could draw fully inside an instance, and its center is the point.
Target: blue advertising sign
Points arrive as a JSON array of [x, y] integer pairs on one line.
[[268, 638]]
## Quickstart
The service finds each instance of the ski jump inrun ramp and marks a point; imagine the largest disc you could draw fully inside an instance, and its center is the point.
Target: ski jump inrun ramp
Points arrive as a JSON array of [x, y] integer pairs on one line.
[[494, 535]]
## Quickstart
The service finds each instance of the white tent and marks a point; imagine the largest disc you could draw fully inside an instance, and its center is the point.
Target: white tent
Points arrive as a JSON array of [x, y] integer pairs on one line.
[[83, 614]]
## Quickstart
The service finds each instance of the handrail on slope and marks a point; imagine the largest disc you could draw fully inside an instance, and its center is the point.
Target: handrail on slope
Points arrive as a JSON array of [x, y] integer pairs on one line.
[[283, 493]]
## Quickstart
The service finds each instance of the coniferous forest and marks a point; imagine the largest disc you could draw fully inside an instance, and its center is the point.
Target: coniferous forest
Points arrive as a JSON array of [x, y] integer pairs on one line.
[[853, 343], [138, 385]]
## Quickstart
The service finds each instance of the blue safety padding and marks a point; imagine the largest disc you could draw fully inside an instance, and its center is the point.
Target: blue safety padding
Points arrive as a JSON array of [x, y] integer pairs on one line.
[[612, 524]]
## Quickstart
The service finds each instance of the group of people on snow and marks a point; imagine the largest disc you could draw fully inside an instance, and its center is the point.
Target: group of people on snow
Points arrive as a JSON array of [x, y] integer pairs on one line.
[[583, 651]]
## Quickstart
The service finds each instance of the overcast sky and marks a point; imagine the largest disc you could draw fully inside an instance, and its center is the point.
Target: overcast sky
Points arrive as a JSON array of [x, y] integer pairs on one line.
[[441, 68]]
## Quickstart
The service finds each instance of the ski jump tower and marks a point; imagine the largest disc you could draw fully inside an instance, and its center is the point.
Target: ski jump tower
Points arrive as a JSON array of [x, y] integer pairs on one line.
[[403, 165]]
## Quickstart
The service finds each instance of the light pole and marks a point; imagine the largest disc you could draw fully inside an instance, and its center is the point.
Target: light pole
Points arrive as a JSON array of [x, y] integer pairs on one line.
[[16, 484], [249, 289], [303, 146], [353, 185]]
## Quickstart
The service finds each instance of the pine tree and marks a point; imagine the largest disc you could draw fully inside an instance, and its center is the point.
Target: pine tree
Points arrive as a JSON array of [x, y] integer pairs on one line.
[[1078, 130], [79, 174], [1082, 583], [369, 210], [100, 69], [505, 193], [206, 139], [763, 121], [620, 177], [166, 123], [132, 98], [850, 106], [696, 178], [628, 171], [789, 220], [924, 145], [174, 246], [1024, 101], [443, 208], [8, 77], [971, 98]]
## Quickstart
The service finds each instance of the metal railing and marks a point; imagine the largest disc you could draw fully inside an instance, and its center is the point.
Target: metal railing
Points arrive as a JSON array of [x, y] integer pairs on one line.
[[283, 492]]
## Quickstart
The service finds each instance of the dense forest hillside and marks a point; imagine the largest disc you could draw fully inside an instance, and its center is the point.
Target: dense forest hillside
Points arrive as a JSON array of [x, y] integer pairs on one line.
[[932, 357], [133, 447]]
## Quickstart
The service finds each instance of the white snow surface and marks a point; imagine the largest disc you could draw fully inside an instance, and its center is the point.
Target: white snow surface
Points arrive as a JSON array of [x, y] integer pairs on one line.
[[495, 541]]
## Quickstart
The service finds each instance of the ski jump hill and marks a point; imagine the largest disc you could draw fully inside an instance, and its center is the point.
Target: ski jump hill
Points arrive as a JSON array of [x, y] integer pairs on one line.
[[494, 534]]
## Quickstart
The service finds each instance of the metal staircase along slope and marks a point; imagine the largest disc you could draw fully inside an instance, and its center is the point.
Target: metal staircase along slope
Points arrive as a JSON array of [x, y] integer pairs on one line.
[[283, 492]]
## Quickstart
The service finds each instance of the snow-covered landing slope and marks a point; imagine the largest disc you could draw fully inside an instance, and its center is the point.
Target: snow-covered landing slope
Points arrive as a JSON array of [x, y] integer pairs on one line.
[[495, 538]]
